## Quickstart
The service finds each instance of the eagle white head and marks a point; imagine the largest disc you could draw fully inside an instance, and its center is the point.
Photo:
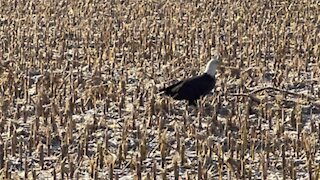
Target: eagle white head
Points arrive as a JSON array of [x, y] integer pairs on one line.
[[212, 65]]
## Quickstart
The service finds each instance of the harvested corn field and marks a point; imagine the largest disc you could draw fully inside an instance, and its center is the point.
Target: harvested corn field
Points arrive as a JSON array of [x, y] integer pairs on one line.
[[79, 89]]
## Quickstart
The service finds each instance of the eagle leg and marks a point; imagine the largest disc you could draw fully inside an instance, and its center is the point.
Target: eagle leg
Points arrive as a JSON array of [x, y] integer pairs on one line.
[[192, 102]]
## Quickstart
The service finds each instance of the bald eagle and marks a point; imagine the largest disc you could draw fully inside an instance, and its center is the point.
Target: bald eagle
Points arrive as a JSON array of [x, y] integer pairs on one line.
[[193, 88]]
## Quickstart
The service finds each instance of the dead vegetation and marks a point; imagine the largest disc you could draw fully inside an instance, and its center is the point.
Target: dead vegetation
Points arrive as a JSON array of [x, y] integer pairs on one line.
[[79, 85]]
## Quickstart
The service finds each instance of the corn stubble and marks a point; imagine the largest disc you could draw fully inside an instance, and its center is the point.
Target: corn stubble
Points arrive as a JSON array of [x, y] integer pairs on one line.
[[79, 85]]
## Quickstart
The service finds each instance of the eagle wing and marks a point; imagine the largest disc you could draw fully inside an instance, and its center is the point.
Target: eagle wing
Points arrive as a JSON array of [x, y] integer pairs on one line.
[[193, 88]]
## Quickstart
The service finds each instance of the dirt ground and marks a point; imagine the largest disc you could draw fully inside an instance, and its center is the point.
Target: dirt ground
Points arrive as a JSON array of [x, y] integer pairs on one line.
[[79, 85]]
